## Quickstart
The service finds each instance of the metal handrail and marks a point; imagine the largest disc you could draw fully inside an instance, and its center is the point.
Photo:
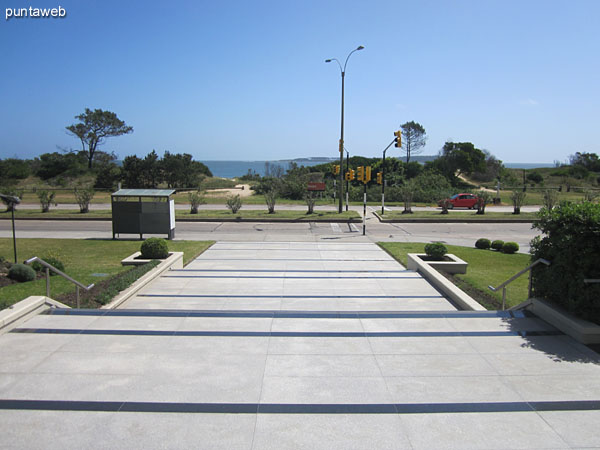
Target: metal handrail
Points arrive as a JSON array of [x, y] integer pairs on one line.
[[50, 267], [591, 280], [514, 277]]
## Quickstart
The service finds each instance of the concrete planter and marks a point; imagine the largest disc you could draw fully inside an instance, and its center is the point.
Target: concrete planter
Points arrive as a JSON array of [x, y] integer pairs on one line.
[[174, 261], [455, 265], [440, 282], [133, 260]]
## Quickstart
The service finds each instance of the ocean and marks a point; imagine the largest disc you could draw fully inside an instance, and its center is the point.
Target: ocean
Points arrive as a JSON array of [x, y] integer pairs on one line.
[[232, 169]]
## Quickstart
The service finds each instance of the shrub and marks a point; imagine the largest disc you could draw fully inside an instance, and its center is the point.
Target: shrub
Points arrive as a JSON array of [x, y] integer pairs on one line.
[[123, 282], [517, 197], [53, 261], [570, 242], [436, 250], [550, 197], [510, 248], [483, 198], [46, 199], [234, 203], [84, 197], [483, 243], [196, 199], [497, 244], [536, 177], [21, 272], [310, 200], [154, 248]]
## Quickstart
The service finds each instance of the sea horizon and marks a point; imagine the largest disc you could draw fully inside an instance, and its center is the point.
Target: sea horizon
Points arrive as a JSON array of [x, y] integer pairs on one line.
[[238, 168]]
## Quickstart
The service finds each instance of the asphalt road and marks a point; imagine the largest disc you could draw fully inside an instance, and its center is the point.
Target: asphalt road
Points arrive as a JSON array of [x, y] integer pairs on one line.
[[451, 233]]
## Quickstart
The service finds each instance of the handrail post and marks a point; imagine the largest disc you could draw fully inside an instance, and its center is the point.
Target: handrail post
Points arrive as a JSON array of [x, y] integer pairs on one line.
[[529, 287], [47, 282], [503, 298], [77, 291]]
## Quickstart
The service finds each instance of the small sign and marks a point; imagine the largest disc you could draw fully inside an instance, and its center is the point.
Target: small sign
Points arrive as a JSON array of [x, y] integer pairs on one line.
[[315, 186]]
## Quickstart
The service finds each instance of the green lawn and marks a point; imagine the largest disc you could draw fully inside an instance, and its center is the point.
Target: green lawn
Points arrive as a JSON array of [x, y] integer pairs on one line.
[[458, 215], [318, 215], [486, 267], [82, 259]]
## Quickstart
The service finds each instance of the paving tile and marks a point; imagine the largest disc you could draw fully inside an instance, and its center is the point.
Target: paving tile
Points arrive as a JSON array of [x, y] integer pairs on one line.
[[450, 389], [317, 325], [318, 346], [577, 428], [434, 365], [325, 390], [329, 431], [438, 345], [322, 365], [518, 430], [541, 364], [552, 387]]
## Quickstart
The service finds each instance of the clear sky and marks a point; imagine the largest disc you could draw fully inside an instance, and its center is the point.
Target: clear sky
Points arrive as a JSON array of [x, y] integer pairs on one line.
[[229, 80]]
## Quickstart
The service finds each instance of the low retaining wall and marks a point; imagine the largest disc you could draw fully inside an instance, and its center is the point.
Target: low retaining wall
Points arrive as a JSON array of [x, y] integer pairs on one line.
[[23, 310], [581, 330]]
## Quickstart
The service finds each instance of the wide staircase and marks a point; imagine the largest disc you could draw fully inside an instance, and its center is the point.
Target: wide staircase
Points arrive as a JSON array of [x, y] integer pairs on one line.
[[295, 345]]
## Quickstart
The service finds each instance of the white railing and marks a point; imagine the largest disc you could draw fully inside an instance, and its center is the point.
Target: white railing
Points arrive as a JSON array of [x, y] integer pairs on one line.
[[514, 277], [49, 268]]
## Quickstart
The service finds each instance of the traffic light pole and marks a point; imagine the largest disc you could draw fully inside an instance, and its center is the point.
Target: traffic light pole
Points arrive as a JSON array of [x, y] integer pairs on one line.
[[383, 178]]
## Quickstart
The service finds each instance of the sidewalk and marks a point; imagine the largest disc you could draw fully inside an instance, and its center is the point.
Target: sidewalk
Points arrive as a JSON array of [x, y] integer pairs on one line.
[[277, 345]]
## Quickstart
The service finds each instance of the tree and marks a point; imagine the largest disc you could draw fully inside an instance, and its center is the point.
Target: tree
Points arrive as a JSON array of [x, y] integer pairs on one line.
[[457, 158], [413, 138], [95, 127], [588, 160]]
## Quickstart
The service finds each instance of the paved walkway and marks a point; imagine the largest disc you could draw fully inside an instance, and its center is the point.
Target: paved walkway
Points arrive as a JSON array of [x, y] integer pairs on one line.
[[279, 345]]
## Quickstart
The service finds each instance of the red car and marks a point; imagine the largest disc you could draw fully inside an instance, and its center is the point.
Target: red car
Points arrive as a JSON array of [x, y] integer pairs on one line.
[[461, 201]]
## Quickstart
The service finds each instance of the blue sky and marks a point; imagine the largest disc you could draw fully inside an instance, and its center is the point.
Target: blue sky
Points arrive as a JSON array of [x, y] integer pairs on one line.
[[229, 80]]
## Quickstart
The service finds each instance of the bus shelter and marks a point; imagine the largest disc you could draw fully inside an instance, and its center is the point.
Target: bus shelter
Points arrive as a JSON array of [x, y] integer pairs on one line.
[[143, 211]]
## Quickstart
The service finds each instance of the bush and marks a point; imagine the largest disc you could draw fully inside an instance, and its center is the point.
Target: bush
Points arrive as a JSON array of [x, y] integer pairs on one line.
[[436, 250], [483, 243], [497, 244], [510, 248], [154, 248], [121, 283], [84, 197], [53, 261], [21, 273], [46, 198], [234, 203], [570, 242], [517, 197], [196, 199], [536, 177]]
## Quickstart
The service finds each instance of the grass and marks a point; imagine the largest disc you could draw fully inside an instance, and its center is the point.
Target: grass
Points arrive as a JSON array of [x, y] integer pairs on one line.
[[486, 267], [461, 215], [82, 259], [185, 214], [263, 214]]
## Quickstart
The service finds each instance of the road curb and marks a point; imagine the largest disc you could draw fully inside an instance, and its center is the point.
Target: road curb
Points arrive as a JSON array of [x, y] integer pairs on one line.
[[440, 220]]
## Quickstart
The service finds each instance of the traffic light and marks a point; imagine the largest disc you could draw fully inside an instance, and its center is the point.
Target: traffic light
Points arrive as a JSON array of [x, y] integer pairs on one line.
[[336, 169], [379, 177], [351, 174], [347, 176], [367, 177], [360, 173], [398, 139]]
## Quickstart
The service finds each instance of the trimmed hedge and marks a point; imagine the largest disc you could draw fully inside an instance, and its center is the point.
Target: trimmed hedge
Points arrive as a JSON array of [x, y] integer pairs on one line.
[[483, 243], [571, 243], [154, 248], [436, 250], [510, 248], [497, 244], [121, 283]]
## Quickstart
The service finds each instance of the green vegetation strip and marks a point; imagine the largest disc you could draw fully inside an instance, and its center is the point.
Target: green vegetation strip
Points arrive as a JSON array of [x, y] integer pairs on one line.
[[486, 267], [123, 282], [286, 215], [87, 261], [462, 216]]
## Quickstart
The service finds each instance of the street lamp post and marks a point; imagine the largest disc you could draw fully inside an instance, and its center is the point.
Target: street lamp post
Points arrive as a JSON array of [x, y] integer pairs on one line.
[[11, 201], [341, 148], [347, 180]]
